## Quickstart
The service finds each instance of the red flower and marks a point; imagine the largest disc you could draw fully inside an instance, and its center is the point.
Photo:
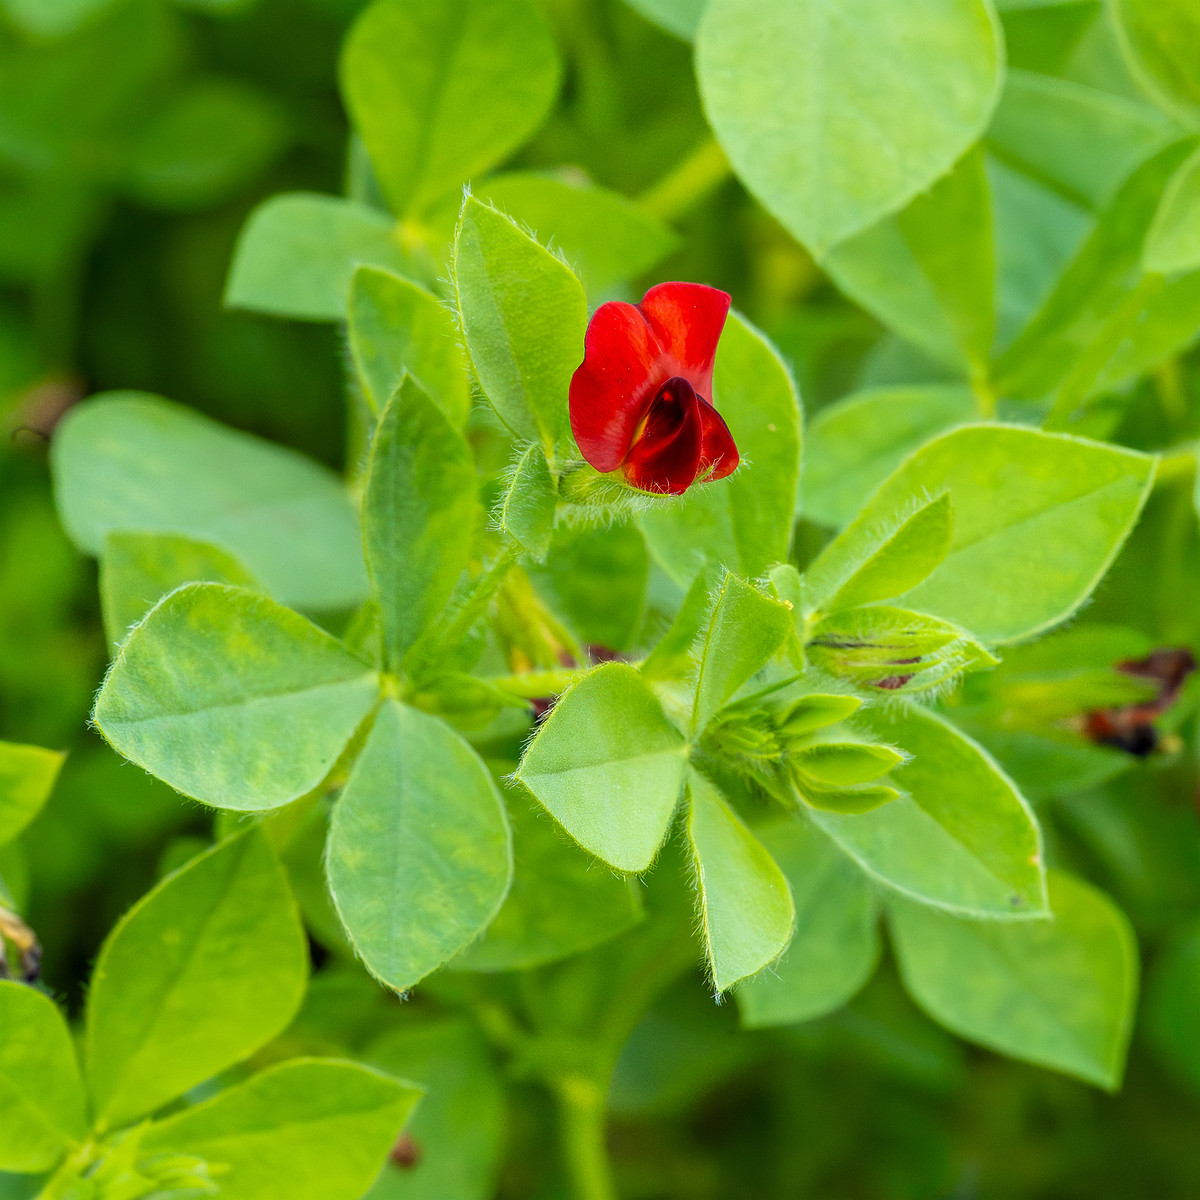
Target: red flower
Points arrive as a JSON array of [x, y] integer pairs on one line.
[[640, 400]]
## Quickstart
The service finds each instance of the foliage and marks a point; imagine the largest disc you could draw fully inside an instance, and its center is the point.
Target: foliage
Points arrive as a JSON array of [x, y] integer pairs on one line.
[[440, 786]]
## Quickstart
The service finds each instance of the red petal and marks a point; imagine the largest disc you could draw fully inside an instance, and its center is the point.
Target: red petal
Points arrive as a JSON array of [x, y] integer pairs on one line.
[[615, 383], [666, 455], [687, 319], [718, 453]]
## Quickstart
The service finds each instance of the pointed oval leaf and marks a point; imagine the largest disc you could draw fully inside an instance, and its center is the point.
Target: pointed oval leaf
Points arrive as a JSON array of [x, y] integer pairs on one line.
[[441, 91], [43, 1109], [963, 838], [200, 973], [397, 327], [419, 514], [835, 116], [131, 461], [526, 510], [523, 314], [745, 631], [232, 699], [746, 910], [271, 1135], [843, 764], [1059, 993], [419, 856], [744, 522], [1161, 42], [608, 766], [836, 944]]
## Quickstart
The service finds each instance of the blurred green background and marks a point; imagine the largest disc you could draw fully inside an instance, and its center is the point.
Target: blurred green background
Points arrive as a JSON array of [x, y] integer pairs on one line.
[[135, 136]]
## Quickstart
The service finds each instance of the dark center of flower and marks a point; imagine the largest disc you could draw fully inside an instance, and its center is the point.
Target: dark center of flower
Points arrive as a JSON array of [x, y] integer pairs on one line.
[[665, 453]]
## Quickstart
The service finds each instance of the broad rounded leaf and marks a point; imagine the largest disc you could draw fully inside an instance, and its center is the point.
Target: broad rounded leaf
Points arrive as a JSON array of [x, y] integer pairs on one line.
[[1059, 993], [131, 461], [43, 1109], [746, 913], [232, 699], [836, 944], [853, 445], [200, 973], [443, 89], [419, 856], [1038, 519], [297, 252], [273, 1136], [743, 522], [836, 115], [608, 766], [963, 838]]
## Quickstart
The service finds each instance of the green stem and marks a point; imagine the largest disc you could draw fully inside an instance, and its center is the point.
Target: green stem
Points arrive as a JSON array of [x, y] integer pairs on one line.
[[1177, 463], [688, 183], [531, 685], [582, 1127]]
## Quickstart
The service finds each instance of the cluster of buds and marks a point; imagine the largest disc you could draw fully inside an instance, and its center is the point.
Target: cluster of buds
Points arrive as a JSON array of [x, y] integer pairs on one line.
[[801, 749]]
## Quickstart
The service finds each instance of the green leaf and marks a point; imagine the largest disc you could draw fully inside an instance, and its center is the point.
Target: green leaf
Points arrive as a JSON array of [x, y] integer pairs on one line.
[[853, 445], [203, 145], [397, 327], [902, 561], [27, 775], [43, 1109], [743, 522], [606, 238], [138, 569], [523, 314], [1081, 141], [232, 699], [816, 711], [526, 510], [836, 117], [745, 631], [419, 512], [459, 1124], [746, 912], [1172, 243], [680, 17], [420, 853], [1099, 302], [1172, 995], [130, 461], [201, 972], [297, 253], [1059, 993], [442, 91], [929, 273], [1161, 43], [1038, 518], [836, 944], [272, 1135], [559, 904], [608, 766], [962, 839]]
